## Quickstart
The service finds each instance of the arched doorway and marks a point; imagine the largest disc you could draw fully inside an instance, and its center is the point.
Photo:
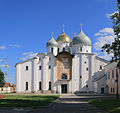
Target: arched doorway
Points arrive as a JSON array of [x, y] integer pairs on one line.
[[63, 88]]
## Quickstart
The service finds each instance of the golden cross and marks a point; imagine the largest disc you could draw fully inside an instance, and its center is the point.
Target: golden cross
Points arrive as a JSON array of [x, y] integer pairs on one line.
[[81, 26], [63, 28], [51, 34], [74, 34]]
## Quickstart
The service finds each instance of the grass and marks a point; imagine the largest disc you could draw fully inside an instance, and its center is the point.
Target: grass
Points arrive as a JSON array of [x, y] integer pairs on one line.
[[109, 105], [32, 101]]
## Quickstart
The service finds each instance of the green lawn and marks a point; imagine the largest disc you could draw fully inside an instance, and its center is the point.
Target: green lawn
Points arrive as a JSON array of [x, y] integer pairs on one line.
[[27, 100], [109, 105]]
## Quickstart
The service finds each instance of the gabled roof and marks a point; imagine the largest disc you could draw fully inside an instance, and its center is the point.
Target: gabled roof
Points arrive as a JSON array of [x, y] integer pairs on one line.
[[25, 61], [102, 59], [100, 75], [7, 84]]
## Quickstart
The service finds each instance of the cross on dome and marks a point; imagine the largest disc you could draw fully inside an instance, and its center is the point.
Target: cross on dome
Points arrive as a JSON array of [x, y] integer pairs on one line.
[[63, 28], [81, 26], [74, 34], [51, 34]]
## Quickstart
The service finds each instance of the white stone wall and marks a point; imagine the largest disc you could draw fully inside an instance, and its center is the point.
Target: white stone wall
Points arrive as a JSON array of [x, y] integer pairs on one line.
[[80, 63], [101, 83], [23, 76]]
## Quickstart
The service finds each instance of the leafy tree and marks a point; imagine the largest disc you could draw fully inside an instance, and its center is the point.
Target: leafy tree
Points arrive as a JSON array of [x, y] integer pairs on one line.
[[2, 79], [114, 48]]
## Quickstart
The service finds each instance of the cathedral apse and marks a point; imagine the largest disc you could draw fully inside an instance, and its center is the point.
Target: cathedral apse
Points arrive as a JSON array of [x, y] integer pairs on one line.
[[64, 66]]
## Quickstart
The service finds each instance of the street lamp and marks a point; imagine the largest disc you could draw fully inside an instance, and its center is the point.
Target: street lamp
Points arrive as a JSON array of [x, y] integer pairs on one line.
[[117, 83], [117, 78]]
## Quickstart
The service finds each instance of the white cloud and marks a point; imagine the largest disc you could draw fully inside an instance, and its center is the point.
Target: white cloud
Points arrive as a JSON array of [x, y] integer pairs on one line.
[[106, 56], [105, 32], [28, 55], [108, 15], [2, 47], [104, 36], [14, 45]]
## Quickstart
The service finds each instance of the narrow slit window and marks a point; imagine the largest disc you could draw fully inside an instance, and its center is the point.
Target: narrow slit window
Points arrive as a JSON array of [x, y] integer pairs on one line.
[[49, 85], [80, 48], [40, 67], [40, 85], [63, 49], [26, 68], [49, 67], [51, 50], [58, 50], [26, 85]]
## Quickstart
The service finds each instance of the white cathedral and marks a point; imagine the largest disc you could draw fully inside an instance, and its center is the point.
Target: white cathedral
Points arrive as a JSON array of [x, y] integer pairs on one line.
[[67, 67]]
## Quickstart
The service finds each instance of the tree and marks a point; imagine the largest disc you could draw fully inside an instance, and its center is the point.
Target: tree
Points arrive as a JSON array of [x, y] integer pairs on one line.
[[114, 48], [2, 79]]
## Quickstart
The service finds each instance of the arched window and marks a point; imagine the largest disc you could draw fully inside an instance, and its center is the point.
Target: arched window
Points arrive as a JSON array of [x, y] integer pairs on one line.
[[49, 85], [51, 50], [58, 50], [26, 85], [80, 48], [63, 49], [40, 85], [64, 76], [26, 68], [40, 67]]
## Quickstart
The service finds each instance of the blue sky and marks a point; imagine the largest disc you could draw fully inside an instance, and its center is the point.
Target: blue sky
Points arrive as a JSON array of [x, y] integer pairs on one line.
[[26, 26]]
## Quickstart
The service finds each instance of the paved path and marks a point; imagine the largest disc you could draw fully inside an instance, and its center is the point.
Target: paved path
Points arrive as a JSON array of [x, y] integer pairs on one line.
[[15, 110], [65, 104], [70, 104]]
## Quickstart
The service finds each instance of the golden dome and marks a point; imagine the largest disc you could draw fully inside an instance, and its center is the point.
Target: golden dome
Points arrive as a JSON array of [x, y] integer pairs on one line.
[[63, 37]]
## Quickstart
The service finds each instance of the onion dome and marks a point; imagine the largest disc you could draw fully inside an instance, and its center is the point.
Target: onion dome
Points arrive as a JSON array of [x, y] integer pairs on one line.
[[52, 42], [81, 38], [63, 37]]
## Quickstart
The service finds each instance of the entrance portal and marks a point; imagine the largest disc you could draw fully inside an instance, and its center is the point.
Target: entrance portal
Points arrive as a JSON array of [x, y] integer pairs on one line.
[[64, 88]]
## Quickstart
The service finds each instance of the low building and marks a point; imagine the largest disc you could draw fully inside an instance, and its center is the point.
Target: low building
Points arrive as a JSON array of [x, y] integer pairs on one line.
[[100, 83], [111, 72], [7, 88]]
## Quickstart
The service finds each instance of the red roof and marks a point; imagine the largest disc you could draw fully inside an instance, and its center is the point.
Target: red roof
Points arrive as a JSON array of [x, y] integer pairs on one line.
[[7, 84]]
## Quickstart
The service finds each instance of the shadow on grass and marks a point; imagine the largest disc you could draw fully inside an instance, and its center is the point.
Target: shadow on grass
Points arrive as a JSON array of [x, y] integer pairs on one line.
[[26, 101]]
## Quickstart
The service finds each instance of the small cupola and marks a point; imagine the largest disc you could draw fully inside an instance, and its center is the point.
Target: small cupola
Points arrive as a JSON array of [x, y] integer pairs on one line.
[[52, 42]]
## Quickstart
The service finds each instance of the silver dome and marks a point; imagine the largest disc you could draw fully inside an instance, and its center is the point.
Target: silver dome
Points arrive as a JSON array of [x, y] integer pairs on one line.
[[81, 38], [52, 42]]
